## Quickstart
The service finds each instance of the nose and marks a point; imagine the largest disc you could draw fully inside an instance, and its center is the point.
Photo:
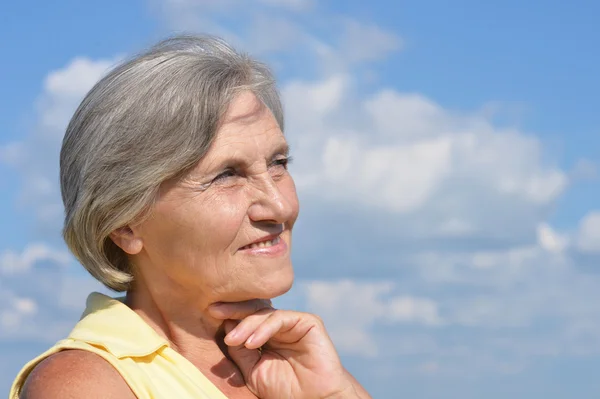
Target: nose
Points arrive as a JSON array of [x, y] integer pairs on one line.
[[271, 203]]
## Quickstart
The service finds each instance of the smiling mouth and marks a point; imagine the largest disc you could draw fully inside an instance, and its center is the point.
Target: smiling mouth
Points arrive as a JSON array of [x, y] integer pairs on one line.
[[263, 244]]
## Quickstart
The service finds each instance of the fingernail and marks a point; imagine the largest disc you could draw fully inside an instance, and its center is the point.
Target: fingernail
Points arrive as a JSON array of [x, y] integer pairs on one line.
[[249, 340]]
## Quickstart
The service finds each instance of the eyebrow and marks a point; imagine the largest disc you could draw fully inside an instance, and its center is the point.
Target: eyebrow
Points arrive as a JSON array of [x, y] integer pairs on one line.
[[283, 148]]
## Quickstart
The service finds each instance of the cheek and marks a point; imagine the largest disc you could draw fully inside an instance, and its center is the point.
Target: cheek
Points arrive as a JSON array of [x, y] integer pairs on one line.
[[222, 219], [201, 226], [227, 218]]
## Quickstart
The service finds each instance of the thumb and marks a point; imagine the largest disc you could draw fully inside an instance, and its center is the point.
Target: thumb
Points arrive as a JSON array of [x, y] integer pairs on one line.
[[244, 358]]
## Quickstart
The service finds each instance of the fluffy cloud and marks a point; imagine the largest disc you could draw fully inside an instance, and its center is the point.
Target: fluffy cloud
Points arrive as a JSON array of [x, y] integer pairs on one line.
[[450, 173], [303, 30], [588, 237], [462, 307], [41, 295], [36, 157], [297, 5], [12, 262], [520, 291], [410, 309], [350, 310], [551, 240], [361, 42], [64, 89]]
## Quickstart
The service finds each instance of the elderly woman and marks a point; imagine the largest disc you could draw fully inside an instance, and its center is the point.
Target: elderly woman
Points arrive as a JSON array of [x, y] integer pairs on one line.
[[176, 190]]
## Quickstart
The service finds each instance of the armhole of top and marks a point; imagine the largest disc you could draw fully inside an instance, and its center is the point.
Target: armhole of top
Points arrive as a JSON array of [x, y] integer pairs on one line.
[[19, 382]]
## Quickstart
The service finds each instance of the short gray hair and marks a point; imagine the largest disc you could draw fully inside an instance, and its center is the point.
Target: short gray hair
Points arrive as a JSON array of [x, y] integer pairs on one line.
[[151, 119]]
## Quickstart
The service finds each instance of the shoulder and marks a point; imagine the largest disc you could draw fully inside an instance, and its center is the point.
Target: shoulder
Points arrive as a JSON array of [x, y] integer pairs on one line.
[[75, 374]]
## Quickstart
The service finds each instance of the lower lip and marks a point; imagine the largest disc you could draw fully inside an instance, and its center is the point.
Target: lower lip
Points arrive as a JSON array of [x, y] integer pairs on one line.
[[274, 250]]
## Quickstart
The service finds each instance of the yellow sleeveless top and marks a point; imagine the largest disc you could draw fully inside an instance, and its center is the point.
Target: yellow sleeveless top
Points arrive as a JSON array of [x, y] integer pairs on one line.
[[144, 359]]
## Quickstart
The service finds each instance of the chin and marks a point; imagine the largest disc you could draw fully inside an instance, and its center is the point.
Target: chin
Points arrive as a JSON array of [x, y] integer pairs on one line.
[[275, 284]]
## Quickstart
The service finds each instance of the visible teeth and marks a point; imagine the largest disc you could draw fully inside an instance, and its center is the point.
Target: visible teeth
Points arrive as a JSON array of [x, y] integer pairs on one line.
[[263, 244]]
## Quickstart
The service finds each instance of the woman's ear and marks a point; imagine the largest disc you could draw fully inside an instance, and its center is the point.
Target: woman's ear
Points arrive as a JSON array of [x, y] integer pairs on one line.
[[126, 239]]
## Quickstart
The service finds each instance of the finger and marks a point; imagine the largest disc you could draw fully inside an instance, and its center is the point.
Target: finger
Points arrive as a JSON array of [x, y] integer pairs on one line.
[[237, 310], [246, 327], [284, 326], [246, 359]]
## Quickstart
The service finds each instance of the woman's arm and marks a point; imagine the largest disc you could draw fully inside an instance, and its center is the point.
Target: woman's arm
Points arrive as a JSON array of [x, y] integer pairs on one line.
[[75, 374]]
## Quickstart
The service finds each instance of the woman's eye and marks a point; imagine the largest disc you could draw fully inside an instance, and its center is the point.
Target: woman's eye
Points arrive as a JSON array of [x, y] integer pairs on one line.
[[282, 162], [225, 175]]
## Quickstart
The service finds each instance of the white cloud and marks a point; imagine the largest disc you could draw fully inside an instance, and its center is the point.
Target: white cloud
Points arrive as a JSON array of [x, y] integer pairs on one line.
[[361, 42], [523, 290], [227, 5], [588, 237], [65, 88], [409, 309], [41, 296], [350, 310], [297, 28], [534, 294], [405, 154], [551, 240], [16, 311], [25, 305], [36, 157], [297, 5], [12, 153], [12, 262], [399, 178]]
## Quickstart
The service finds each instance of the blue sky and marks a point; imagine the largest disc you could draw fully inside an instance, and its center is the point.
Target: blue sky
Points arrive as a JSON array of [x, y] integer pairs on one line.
[[446, 158]]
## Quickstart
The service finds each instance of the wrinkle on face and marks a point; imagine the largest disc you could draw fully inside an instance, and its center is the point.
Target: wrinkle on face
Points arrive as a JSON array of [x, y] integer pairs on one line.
[[198, 225]]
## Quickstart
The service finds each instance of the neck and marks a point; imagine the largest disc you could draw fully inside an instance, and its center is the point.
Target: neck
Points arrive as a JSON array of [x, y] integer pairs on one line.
[[182, 318]]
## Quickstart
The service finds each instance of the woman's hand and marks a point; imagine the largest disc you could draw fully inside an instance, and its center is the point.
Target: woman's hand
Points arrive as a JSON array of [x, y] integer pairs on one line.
[[284, 354]]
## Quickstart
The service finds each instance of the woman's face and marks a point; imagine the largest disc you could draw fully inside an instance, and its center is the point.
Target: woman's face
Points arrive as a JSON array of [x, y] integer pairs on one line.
[[202, 229]]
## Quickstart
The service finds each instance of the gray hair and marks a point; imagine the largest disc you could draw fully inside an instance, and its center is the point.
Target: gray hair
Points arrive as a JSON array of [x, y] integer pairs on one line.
[[149, 120]]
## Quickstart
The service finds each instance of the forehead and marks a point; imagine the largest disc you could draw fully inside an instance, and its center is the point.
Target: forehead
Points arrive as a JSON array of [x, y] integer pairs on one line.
[[243, 108], [248, 122]]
